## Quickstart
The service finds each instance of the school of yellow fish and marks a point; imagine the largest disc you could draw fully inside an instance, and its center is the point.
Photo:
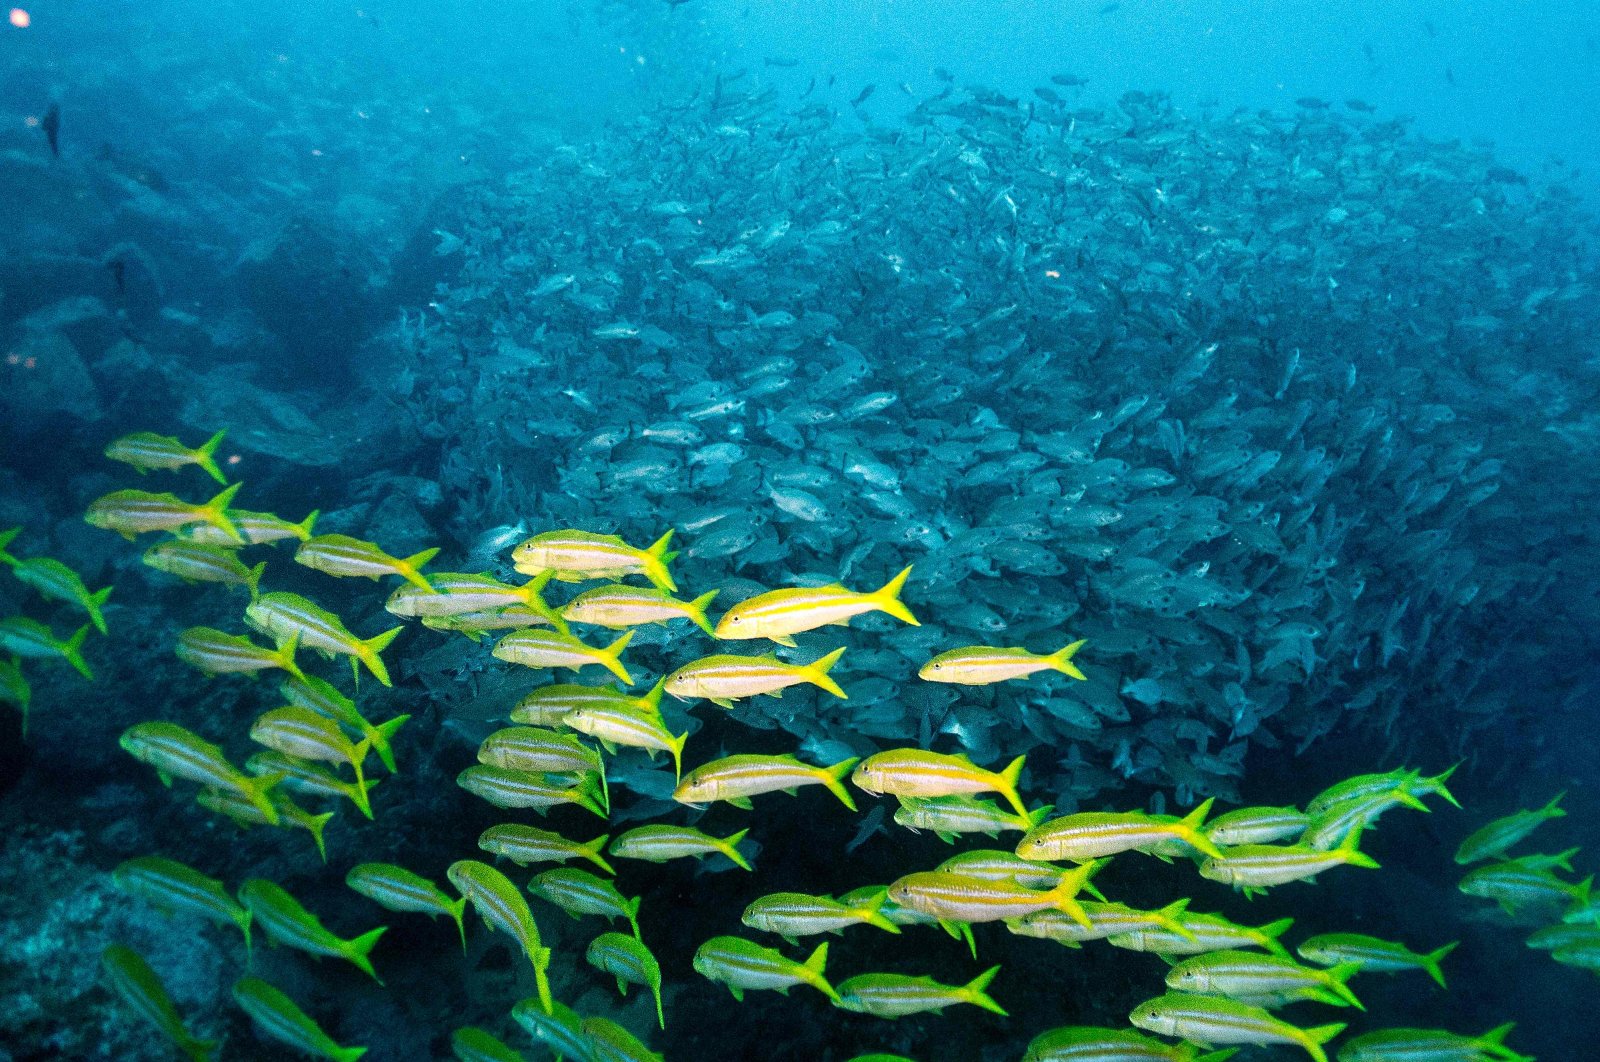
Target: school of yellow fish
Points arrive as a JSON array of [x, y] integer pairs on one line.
[[1225, 979]]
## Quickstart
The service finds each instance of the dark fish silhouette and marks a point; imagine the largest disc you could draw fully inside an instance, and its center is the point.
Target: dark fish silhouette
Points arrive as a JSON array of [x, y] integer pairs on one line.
[[859, 100], [51, 124]]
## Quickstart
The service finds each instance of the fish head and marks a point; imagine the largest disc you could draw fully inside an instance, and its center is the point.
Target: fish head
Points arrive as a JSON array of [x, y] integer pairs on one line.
[[1154, 1016], [736, 623], [1183, 978], [681, 685], [695, 790], [932, 671], [866, 777]]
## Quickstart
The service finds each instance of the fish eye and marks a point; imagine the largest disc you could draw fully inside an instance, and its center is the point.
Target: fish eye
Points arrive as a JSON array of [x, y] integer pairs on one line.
[[734, 619], [938, 667]]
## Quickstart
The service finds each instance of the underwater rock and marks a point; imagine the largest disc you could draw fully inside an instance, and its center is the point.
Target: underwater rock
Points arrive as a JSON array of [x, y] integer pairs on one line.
[[315, 289], [44, 381]]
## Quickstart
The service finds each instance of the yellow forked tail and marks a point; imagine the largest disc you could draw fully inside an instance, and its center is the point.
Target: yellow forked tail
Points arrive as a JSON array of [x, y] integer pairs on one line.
[[816, 673], [887, 599]]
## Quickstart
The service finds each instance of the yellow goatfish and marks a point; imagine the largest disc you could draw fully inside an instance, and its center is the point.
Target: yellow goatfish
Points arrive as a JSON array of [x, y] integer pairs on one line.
[[1091, 835], [725, 679], [196, 562], [341, 555], [133, 512], [55, 580], [458, 594], [277, 1016], [286, 616], [145, 450], [959, 898], [781, 614], [919, 773], [179, 753], [139, 986], [257, 528], [219, 653], [575, 556], [736, 779], [535, 647], [288, 923], [980, 665], [306, 735], [618, 606]]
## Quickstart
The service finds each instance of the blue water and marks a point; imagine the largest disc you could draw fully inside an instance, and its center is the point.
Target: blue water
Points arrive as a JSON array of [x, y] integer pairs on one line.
[[1255, 345]]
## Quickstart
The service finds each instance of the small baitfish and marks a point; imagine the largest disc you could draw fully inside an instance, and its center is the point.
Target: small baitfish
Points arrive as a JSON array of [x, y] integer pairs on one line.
[[287, 922], [723, 679], [735, 779]]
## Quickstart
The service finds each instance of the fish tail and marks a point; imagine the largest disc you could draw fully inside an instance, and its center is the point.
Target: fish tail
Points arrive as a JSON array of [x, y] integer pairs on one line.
[[252, 579], [242, 920], [697, 611], [1496, 1037], [206, 459], [652, 699], [216, 512], [1270, 934], [816, 673], [93, 605], [1038, 815], [833, 778], [1167, 918], [358, 793], [71, 652], [872, 912], [368, 650], [458, 914], [541, 975], [1554, 810], [1319, 1035], [6, 538], [974, 991], [730, 848], [592, 850], [655, 561], [199, 1050], [382, 738], [631, 909], [1192, 832], [1064, 897], [315, 825], [1008, 785], [1580, 891], [258, 790], [1061, 660], [611, 657], [411, 568], [302, 530], [1431, 961], [661, 1019], [348, 1054], [286, 651], [1563, 860], [677, 756], [1436, 783], [1338, 976], [358, 950], [887, 598], [1353, 856], [1217, 1056]]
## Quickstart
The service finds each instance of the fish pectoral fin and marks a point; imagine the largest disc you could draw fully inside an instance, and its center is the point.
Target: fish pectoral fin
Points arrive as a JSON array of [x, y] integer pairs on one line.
[[783, 639], [166, 779], [720, 702], [743, 803], [738, 993], [622, 986]]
